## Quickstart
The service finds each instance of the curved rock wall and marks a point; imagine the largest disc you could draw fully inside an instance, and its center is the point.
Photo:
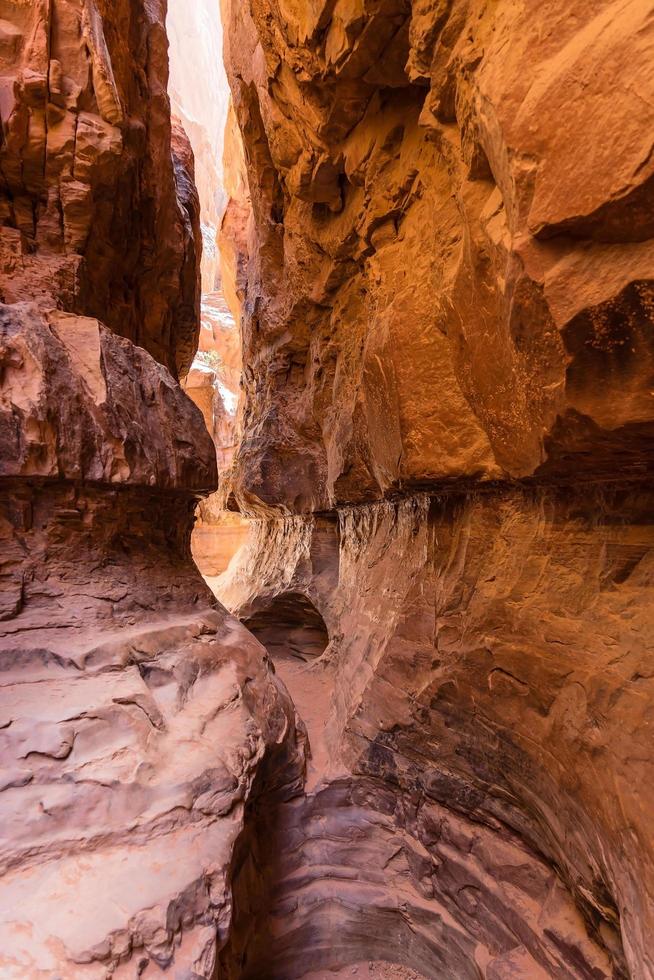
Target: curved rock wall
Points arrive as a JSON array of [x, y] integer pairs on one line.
[[443, 278], [445, 295], [137, 718], [488, 659], [97, 217]]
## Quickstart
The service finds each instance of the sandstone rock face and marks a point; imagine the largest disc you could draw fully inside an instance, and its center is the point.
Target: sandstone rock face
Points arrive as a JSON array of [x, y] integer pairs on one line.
[[200, 97], [219, 350], [81, 403], [138, 720], [218, 535], [442, 279], [443, 265], [479, 719], [214, 384], [238, 221], [94, 220], [135, 722], [450, 280]]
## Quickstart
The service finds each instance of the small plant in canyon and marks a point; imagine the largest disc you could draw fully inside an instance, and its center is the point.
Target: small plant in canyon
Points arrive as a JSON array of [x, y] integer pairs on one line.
[[211, 358]]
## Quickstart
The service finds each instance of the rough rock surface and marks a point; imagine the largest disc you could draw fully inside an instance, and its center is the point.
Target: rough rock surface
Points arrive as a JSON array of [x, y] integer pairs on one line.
[[450, 279], [97, 216], [137, 718], [127, 760], [485, 692], [444, 277], [219, 352], [79, 402], [443, 280]]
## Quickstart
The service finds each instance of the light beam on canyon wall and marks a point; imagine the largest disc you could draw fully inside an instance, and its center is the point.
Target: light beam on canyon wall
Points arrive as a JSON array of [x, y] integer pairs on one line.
[[199, 95]]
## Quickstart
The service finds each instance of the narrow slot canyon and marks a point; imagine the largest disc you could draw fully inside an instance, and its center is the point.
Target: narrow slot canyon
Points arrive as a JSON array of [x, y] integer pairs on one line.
[[326, 502]]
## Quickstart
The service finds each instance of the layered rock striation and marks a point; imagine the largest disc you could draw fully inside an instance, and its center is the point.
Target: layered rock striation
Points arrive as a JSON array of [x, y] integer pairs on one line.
[[98, 216], [445, 285], [442, 276], [137, 718]]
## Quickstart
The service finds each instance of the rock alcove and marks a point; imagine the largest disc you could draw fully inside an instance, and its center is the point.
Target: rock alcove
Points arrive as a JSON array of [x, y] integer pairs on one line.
[[290, 627]]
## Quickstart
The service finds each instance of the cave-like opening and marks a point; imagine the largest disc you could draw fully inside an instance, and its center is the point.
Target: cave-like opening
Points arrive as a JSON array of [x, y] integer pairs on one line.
[[290, 627], [294, 633]]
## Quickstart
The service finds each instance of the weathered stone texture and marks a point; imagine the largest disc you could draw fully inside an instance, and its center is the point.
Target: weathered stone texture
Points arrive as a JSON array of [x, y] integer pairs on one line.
[[94, 219], [446, 297], [451, 275], [438, 245], [488, 669], [81, 403], [137, 718]]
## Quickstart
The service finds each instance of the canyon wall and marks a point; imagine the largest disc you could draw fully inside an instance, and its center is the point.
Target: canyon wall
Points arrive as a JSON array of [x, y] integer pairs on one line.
[[200, 98], [214, 384], [137, 718], [438, 246], [199, 95], [450, 277], [444, 276], [98, 217]]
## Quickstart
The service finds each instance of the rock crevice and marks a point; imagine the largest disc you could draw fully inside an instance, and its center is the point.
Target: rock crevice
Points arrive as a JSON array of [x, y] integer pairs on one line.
[[432, 758], [135, 713]]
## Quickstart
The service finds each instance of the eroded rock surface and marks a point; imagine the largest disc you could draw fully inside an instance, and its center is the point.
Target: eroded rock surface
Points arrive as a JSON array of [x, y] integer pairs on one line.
[[449, 279], [444, 283], [438, 247], [128, 757], [97, 216], [482, 714], [137, 718]]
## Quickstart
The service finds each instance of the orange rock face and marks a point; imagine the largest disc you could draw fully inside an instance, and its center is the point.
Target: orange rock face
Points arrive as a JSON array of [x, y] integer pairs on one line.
[[137, 718], [91, 217], [214, 384], [452, 277], [446, 299], [437, 247], [478, 719]]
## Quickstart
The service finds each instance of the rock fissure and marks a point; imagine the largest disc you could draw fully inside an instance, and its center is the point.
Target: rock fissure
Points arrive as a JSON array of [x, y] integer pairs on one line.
[[402, 728]]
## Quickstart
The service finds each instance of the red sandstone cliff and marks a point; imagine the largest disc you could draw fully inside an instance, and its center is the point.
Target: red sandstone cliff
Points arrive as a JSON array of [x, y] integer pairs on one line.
[[450, 276]]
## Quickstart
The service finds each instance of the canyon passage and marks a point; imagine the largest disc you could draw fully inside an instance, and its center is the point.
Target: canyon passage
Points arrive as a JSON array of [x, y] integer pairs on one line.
[[326, 489]]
